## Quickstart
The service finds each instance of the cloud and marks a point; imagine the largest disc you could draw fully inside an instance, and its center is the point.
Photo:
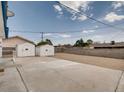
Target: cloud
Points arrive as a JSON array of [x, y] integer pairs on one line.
[[117, 4], [58, 9], [48, 34], [65, 35], [88, 31], [82, 18], [112, 17], [96, 26], [79, 18], [76, 6], [73, 17], [98, 37], [58, 35]]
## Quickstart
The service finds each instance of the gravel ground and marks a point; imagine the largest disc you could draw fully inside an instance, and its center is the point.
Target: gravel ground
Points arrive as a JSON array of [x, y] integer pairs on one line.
[[98, 61]]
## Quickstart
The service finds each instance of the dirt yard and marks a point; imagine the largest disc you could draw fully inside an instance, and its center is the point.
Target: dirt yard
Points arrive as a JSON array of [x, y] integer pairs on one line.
[[98, 61]]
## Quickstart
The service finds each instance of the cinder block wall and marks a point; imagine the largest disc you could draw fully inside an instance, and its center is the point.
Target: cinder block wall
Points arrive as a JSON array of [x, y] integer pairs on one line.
[[112, 53]]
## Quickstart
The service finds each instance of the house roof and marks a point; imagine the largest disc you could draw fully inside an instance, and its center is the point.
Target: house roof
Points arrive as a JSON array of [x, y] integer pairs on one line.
[[21, 38]]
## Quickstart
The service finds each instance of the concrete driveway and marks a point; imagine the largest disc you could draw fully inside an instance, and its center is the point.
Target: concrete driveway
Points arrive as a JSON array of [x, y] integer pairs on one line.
[[52, 74]]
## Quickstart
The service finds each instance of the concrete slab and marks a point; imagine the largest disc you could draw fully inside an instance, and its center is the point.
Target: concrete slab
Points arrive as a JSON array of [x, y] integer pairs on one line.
[[10, 81], [121, 84], [63, 75], [48, 80], [92, 78]]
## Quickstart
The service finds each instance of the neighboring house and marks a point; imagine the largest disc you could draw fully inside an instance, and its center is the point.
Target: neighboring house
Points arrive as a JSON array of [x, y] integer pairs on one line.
[[45, 50], [117, 45], [12, 42]]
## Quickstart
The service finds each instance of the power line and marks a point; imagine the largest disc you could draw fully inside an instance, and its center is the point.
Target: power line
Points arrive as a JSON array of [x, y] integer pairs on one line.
[[42, 33], [42, 36], [28, 31], [82, 13], [74, 31]]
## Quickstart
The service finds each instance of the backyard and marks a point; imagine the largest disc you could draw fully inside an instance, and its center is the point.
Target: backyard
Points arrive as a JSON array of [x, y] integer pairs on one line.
[[57, 74], [62, 46]]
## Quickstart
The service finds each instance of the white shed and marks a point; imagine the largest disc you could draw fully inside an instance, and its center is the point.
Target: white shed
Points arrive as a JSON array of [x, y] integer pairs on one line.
[[45, 50], [25, 49]]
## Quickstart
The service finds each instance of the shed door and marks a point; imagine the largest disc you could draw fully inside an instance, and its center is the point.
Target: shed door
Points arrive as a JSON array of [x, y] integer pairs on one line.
[[46, 51], [25, 51]]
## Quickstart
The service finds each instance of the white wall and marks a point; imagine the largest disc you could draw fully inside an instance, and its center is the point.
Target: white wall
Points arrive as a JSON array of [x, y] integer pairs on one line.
[[2, 33], [45, 50], [37, 52], [26, 49], [112, 53]]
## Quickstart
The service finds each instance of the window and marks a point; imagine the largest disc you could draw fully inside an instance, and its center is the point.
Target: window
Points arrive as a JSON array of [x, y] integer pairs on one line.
[[46, 50], [26, 49]]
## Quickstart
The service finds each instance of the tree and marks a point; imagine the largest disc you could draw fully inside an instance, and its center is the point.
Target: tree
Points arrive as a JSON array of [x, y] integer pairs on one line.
[[79, 43], [42, 43], [89, 41], [47, 41], [112, 42]]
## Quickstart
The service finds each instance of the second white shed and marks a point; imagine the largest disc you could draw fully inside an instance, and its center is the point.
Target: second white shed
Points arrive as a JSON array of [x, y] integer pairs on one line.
[[45, 50]]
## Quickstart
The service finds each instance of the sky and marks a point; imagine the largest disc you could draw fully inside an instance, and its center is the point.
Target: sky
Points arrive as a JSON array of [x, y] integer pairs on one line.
[[51, 16]]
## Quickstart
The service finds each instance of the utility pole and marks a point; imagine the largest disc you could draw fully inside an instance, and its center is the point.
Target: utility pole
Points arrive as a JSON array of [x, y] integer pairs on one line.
[[42, 35]]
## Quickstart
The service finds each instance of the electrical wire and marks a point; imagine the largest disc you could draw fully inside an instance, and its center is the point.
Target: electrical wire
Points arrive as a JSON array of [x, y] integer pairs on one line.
[[75, 31], [82, 13]]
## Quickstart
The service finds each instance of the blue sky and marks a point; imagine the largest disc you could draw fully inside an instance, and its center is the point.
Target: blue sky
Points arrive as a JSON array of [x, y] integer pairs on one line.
[[44, 16]]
